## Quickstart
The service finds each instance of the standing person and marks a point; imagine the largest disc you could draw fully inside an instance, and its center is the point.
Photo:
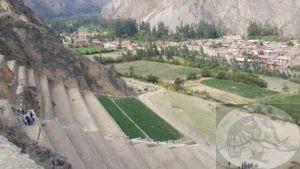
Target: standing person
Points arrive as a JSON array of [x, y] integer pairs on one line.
[[229, 163], [24, 119], [32, 115], [23, 111], [28, 119]]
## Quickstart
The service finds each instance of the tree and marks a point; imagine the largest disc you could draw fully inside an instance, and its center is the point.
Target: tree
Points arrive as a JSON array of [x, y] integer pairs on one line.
[[162, 30], [285, 88], [205, 73], [192, 76], [290, 43], [257, 29], [131, 71], [178, 84], [152, 78], [221, 75]]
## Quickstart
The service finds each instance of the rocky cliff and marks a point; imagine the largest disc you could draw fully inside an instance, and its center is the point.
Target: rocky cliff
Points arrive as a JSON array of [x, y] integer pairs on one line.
[[24, 37], [62, 8], [233, 15]]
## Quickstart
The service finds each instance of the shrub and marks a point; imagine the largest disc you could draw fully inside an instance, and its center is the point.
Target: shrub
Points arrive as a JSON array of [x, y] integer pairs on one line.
[[192, 76], [290, 43], [152, 79], [221, 75], [206, 73]]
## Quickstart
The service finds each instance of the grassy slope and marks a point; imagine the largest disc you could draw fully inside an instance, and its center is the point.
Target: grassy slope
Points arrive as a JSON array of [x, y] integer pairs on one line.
[[197, 116], [162, 70], [87, 49], [154, 126], [289, 103], [125, 124], [239, 88]]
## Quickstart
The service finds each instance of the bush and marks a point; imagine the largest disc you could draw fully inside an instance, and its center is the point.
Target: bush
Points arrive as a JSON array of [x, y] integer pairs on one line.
[[221, 75], [290, 43], [248, 78], [152, 79], [178, 84], [192, 76], [206, 73]]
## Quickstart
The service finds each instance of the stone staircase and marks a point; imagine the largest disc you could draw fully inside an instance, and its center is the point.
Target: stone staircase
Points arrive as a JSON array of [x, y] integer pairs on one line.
[[75, 124]]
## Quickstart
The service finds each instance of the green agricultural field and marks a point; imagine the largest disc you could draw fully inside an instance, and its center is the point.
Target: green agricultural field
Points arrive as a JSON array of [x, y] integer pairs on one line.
[[154, 126], [162, 70], [241, 89], [89, 50], [125, 124], [83, 29], [288, 103]]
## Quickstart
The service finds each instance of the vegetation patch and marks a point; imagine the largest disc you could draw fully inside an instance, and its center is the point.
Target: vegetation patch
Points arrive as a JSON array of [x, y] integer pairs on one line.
[[88, 49], [161, 70], [241, 89], [154, 126], [288, 103], [125, 124]]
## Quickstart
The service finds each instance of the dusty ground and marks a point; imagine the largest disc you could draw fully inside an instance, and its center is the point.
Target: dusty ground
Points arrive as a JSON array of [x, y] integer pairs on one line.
[[11, 157], [278, 84], [271, 156]]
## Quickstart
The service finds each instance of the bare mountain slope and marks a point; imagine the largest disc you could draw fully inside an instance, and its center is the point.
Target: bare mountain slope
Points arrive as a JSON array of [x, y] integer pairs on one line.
[[25, 38], [232, 14], [61, 8], [130, 8]]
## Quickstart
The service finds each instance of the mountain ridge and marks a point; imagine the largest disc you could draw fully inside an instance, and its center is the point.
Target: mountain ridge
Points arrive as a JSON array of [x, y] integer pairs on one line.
[[234, 16]]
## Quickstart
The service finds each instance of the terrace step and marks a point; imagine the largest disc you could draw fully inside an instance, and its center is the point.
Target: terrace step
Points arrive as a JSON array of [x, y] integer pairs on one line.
[[88, 155], [188, 158], [63, 112], [106, 124], [7, 116], [31, 79], [37, 133], [22, 76], [61, 143], [46, 98], [169, 160], [61, 107], [104, 150], [151, 160], [128, 155], [12, 64], [81, 112], [203, 156]]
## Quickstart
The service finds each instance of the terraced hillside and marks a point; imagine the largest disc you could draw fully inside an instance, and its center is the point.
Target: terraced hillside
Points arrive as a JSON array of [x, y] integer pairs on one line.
[[74, 123]]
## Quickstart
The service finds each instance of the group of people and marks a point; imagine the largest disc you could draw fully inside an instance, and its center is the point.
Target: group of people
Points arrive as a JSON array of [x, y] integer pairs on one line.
[[27, 117], [246, 165]]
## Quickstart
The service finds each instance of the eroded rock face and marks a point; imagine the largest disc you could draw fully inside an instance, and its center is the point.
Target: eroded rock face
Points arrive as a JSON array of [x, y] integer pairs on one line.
[[234, 15], [11, 156], [33, 44], [62, 8]]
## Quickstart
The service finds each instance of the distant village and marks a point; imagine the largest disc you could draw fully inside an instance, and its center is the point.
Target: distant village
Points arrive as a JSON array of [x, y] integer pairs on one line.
[[274, 55]]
